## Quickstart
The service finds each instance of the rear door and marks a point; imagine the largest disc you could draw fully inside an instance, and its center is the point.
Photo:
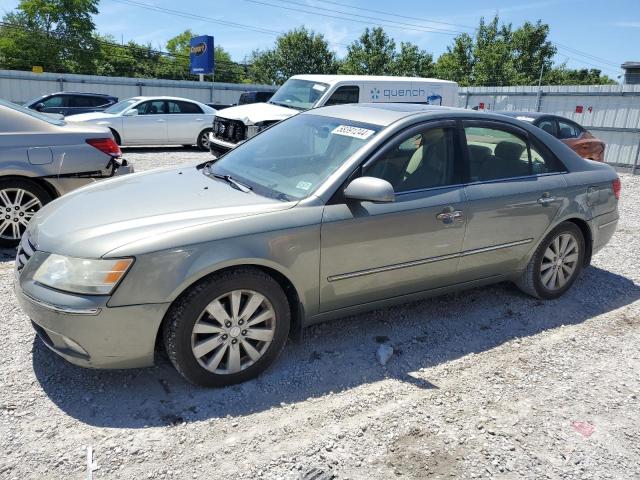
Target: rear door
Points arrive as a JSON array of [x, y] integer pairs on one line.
[[149, 127], [516, 189], [375, 251], [186, 121]]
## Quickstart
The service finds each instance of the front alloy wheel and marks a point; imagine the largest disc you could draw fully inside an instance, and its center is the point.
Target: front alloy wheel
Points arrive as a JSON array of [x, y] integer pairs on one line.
[[228, 328], [203, 140], [233, 332]]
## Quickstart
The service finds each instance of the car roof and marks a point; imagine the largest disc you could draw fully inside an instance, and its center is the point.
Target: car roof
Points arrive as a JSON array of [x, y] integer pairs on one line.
[[382, 114], [333, 79], [164, 97], [80, 93]]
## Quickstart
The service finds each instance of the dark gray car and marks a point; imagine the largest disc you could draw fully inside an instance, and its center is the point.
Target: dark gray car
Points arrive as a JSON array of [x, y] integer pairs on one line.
[[42, 158], [332, 212]]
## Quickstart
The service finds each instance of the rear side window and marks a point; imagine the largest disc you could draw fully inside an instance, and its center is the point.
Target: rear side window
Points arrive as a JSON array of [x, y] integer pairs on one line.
[[344, 94], [55, 101], [548, 125], [183, 107], [85, 101], [500, 154], [568, 130]]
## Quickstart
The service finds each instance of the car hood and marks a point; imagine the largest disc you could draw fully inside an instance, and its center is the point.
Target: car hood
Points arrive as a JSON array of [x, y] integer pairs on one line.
[[94, 220], [86, 117], [257, 112]]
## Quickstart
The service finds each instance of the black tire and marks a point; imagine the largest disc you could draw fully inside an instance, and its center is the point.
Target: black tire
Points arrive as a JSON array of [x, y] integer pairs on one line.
[[29, 186], [116, 136], [187, 310], [531, 282], [202, 142]]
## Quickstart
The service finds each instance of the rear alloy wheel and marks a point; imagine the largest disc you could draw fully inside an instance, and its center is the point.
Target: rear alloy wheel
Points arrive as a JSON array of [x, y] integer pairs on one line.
[[19, 201], [203, 140], [556, 263], [228, 329]]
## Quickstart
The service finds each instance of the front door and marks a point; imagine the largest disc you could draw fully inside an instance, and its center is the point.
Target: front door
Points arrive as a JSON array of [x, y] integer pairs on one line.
[[149, 127], [515, 192], [375, 251]]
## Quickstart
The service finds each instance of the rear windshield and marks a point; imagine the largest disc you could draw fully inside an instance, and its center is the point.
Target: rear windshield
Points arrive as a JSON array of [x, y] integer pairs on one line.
[[33, 113]]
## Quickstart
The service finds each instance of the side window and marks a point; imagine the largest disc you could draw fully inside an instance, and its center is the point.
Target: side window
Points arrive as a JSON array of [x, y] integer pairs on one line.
[[81, 101], [424, 160], [495, 154], [568, 130], [542, 161], [152, 108], [344, 94], [548, 125], [55, 101], [184, 107]]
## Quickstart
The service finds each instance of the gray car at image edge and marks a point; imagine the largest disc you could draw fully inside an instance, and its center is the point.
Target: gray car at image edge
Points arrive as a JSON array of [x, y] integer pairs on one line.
[[42, 158], [332, 212]]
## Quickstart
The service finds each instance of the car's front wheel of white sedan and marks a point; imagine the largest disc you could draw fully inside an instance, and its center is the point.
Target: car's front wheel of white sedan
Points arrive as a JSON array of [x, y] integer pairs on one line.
[[203, 140], [227, 329], [556, 263]]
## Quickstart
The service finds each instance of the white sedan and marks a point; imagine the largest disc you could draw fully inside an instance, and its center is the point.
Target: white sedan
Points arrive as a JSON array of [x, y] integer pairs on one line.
[[155, 121]]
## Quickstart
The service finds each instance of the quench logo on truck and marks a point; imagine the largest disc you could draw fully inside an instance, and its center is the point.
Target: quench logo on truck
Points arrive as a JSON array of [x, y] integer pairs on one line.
[[403, 94]]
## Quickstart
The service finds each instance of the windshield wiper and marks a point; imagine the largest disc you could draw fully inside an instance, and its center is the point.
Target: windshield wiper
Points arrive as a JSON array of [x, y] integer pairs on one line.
[[286, 105], [233, 182]]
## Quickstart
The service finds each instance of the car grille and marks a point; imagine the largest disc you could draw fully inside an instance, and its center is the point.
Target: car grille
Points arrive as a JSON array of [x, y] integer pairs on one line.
[[25, 250], [229, 130]]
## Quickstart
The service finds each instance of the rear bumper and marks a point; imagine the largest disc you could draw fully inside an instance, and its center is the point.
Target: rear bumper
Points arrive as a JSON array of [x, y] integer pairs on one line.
[[86, 332], [603, 227]]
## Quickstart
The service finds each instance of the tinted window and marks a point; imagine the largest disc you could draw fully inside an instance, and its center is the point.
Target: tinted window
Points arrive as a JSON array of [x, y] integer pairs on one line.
[[548, 125], [55, 101], [496, 154], [152, 108], [568, 130], [183, 107], [85, 101], [345, 94], [423, 160]]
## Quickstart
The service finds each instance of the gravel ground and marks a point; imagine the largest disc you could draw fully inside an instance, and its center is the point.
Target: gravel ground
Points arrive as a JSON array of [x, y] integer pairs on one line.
[[481, 384]]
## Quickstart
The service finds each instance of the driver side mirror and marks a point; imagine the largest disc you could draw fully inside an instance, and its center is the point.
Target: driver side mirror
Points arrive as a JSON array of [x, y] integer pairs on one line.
[[370, 189], [131, 113], [40, 106]]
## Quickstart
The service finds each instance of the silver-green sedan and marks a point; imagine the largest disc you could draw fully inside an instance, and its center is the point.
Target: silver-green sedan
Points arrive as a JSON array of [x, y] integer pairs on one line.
[[332, 212]]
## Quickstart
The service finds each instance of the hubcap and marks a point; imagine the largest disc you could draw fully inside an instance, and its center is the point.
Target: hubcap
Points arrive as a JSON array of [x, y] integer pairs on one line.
[[204, 140], [560, 261], [233, 332], [17, 206]]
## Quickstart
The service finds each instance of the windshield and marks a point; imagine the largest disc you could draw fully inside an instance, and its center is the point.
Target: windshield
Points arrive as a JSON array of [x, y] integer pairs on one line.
[[299, 94], [291, 159], [33, 113], [121, 106]]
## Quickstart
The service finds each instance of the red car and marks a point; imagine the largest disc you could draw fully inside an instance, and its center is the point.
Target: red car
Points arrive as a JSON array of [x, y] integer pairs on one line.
[[581, 141]]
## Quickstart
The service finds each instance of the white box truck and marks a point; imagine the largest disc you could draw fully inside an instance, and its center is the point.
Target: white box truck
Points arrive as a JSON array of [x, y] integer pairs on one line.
[[234, 125]]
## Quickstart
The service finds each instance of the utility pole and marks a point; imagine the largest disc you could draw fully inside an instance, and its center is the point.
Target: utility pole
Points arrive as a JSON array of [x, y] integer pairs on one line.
[[539, 97]]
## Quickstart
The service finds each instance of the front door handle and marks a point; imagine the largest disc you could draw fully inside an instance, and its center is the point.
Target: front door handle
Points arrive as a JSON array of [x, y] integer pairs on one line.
[[449, 215]]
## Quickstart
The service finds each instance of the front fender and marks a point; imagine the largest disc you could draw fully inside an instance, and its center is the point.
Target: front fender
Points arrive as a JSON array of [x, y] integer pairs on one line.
[[162, 276]]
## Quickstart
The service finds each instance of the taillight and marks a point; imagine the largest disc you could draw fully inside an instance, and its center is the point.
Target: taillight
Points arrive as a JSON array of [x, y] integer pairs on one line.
[[617, 186], [105, 145]]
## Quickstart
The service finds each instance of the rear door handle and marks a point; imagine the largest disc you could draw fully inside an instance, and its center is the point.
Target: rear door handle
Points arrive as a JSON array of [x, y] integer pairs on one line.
[[546, 200], [449, 216]]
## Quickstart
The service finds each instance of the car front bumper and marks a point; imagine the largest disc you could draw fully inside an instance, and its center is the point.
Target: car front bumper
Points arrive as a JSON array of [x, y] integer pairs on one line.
[[219, 144], [87, 332]]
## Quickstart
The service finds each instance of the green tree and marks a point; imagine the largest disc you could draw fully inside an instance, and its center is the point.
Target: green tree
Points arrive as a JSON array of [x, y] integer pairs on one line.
[[492, 54], [297, 51], [410, 61], [372, 54], [532, 52], [457, 62], [57, 34]]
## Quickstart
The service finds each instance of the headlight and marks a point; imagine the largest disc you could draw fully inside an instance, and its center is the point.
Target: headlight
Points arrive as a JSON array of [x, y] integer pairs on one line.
[[82, 275]]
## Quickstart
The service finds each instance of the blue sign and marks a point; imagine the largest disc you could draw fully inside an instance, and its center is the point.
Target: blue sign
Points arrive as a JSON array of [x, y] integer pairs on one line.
[[201, 55]]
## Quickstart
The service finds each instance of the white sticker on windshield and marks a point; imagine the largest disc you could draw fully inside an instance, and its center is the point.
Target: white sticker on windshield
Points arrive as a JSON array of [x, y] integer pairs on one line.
[[304, 185], [320, 88], [355, 132]]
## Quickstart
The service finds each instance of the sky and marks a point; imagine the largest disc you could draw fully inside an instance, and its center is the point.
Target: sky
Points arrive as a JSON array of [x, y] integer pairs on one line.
[[588, 33]]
